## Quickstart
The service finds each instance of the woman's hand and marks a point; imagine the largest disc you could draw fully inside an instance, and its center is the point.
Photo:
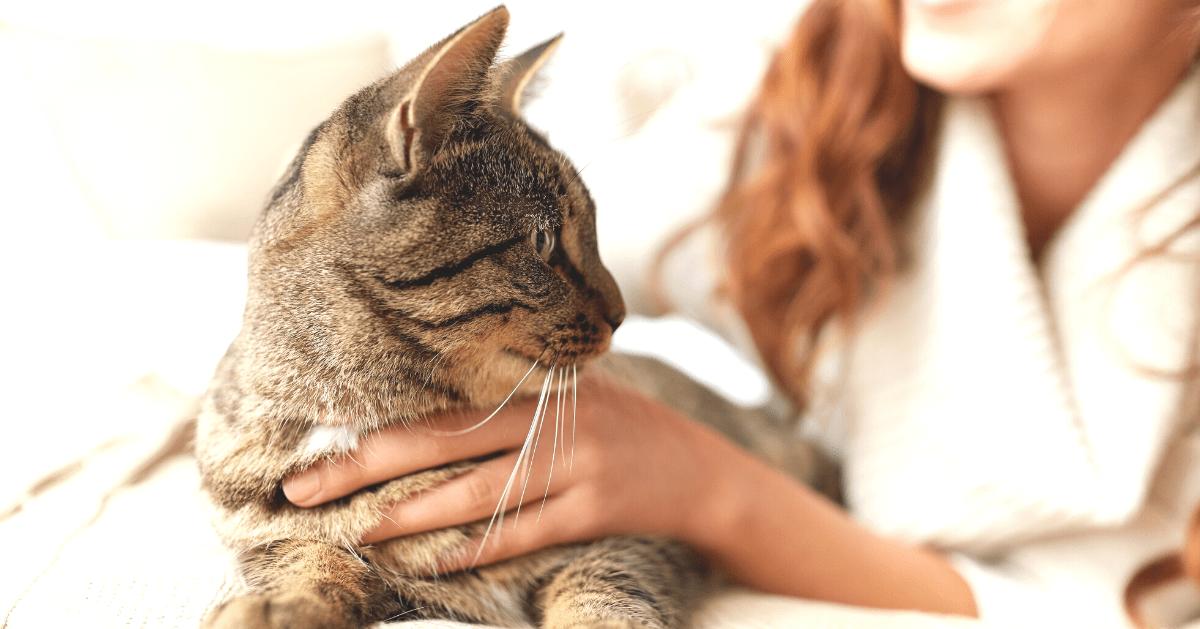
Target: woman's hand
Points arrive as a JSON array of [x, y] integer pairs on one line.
[[624, 464], [632, 465]]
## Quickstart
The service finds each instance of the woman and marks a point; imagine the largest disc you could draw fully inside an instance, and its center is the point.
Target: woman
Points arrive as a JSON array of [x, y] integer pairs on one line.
[[957, 234]]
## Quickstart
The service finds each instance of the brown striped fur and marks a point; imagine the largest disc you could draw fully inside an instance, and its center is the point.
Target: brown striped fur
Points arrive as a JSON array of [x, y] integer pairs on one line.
[[395, 272]]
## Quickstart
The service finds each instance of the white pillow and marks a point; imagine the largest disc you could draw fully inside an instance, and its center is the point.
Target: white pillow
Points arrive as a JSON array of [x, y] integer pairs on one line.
[[171, 138]]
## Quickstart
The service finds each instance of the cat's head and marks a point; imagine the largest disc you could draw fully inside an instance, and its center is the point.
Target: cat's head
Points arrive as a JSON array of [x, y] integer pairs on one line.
[[425, 234]]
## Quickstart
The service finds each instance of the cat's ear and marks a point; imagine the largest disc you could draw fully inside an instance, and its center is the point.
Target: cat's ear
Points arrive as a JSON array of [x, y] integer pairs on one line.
[[517, 74], [450, 76]]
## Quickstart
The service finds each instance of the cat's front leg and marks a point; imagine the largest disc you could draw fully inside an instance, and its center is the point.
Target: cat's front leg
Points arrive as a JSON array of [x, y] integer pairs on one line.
[[305, 583]]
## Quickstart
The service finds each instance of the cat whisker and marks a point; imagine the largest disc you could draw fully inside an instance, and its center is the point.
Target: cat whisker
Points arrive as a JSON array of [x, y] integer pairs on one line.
[[554, 445], [349, 547], [533, 455], [404, 613], [433, 365], [561, 416], [485, 420], [383, 514], [574, 409], [579, 173], [439, 358], [498, 513], [368, 446]]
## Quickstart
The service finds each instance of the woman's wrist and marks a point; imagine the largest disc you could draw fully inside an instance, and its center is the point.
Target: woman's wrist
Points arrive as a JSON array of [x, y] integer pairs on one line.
[[770, 532], [731, 486]]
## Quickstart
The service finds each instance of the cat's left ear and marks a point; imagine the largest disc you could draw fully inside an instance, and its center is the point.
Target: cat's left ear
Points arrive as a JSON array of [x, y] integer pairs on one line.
[[516, 74], [449, 78]]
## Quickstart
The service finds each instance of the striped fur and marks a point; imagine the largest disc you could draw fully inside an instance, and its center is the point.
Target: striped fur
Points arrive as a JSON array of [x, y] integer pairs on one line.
[[395, 272]]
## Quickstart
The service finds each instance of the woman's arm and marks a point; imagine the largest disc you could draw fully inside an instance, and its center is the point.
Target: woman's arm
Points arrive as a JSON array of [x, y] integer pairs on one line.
[[771, 533], [635, 466]]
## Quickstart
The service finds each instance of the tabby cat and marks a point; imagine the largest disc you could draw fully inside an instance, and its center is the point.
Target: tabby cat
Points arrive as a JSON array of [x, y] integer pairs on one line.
[[425, 249]]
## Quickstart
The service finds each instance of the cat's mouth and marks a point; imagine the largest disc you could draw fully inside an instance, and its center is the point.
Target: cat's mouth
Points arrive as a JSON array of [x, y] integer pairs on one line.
[[573, 342], [559, 354]]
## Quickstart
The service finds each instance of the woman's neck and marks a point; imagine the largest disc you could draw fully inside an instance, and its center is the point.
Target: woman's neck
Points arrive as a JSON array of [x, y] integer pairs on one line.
[[1062, 133]]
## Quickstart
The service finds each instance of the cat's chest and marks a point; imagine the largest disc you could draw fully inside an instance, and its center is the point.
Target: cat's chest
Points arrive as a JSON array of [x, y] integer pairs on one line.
[[323, 440]]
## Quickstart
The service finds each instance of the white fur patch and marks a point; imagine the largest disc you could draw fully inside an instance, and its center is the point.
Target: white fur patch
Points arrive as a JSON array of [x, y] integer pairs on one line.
[[324, 439]]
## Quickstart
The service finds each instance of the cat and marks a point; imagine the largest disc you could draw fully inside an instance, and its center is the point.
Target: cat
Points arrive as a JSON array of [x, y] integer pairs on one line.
[[424, 249]]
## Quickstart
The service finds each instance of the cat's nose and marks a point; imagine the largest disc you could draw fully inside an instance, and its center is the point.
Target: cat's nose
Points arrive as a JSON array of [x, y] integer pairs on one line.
[[613, 316], [610, 306]]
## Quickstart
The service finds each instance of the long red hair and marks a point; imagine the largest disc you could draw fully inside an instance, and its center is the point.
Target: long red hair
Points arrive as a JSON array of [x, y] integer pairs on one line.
[[829, 157]]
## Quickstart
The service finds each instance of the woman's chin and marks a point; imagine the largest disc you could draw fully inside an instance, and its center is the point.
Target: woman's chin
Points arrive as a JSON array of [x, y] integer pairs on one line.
[[955, 67], [972, 46]]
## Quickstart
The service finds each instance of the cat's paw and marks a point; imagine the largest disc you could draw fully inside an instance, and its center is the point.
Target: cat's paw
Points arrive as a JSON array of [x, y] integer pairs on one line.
[[276, 611]]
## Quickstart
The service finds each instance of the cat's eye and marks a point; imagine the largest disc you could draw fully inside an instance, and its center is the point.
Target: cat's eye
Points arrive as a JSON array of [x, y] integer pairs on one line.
[[543, 242]]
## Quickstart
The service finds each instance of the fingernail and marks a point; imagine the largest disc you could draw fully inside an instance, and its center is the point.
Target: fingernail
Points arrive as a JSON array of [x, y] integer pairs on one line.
[[302, 488]]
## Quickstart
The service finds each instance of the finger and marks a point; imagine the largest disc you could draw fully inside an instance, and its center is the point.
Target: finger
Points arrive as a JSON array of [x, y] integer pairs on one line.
[[475, 495], [511, 537], [400, 450]]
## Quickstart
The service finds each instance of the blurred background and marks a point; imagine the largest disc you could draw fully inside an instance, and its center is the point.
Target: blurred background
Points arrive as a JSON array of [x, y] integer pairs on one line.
[[140, 140]]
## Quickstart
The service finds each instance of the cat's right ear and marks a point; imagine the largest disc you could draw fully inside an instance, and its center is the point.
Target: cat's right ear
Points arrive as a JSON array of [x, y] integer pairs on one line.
[[451, 76], [518, 73]]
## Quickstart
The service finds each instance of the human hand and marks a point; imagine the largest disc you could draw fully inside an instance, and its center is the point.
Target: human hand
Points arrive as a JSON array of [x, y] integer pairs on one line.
[[615, 462]]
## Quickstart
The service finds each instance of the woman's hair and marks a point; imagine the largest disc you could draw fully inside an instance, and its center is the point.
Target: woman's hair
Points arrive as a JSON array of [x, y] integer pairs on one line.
[[1184, 563], [829, 157]]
